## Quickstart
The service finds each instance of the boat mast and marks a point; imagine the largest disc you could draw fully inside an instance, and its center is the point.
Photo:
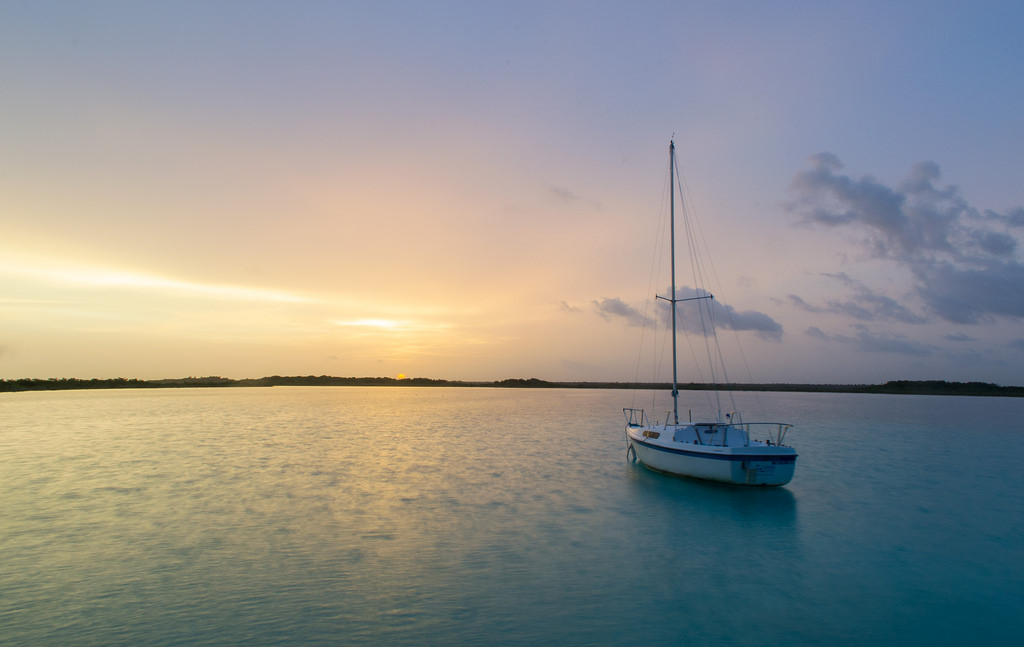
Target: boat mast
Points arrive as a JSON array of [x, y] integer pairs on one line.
[[672, 299], [672, 220]]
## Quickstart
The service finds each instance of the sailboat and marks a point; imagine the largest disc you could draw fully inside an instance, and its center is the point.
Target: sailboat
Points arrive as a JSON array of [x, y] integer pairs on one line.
[[721, 449]]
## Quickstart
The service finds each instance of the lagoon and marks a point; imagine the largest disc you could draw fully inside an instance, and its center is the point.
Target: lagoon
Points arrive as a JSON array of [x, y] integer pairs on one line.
[[480, 516]]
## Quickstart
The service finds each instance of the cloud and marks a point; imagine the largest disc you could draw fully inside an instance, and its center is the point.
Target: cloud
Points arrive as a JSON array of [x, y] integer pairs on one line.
[[803, 305], [689, 316], [88, 277], [565, 196], [868, 341], [829, 199], [817, 333], [971, 294], [964, 262], [1017, 344], [1015, 218], [864, 304], [561, 194], [614, 308], [757, 322], [958, 337], [724, 316]]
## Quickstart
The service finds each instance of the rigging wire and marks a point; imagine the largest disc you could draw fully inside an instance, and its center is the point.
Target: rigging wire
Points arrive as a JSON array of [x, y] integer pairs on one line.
[[651, 320], [711, 279], [695, 243], [703, 274]]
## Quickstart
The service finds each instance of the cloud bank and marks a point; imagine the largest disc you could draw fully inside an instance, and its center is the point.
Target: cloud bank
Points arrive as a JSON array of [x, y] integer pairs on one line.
[[965, 262]]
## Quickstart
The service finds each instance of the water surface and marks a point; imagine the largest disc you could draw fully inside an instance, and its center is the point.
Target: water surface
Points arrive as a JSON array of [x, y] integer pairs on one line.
[[411, 516]]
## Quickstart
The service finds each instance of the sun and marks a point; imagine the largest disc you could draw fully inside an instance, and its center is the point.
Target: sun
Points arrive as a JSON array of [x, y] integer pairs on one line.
[[401, 376]]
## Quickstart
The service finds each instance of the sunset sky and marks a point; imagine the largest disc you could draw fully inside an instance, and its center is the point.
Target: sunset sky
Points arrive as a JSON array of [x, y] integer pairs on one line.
[[473, 190]]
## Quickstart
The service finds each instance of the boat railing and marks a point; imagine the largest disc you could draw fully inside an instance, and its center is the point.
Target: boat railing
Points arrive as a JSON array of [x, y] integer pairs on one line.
[[775, 437], [635, 417]]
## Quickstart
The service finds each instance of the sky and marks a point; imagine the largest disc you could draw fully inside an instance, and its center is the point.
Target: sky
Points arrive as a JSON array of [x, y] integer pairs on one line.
[[475, 190]]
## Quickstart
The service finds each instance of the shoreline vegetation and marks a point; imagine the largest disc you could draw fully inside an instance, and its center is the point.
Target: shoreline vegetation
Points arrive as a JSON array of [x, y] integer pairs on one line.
[[902, 387]]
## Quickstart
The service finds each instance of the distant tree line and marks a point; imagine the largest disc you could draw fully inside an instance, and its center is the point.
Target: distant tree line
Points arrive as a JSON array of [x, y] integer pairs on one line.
[[67, 384], [906, 387], [941, 387]]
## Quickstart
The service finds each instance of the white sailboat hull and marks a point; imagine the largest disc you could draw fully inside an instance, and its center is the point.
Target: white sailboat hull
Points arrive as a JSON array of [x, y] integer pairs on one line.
[[751, 464]]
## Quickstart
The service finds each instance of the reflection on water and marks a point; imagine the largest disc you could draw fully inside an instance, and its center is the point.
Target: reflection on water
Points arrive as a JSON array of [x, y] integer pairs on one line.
[[776, 504]]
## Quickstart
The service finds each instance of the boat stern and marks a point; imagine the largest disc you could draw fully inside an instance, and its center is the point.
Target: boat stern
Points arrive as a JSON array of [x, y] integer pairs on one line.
[[765, 469]]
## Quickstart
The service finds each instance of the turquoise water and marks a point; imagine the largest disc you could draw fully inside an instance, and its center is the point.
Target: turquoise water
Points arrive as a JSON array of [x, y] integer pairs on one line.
[[406, 516]]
